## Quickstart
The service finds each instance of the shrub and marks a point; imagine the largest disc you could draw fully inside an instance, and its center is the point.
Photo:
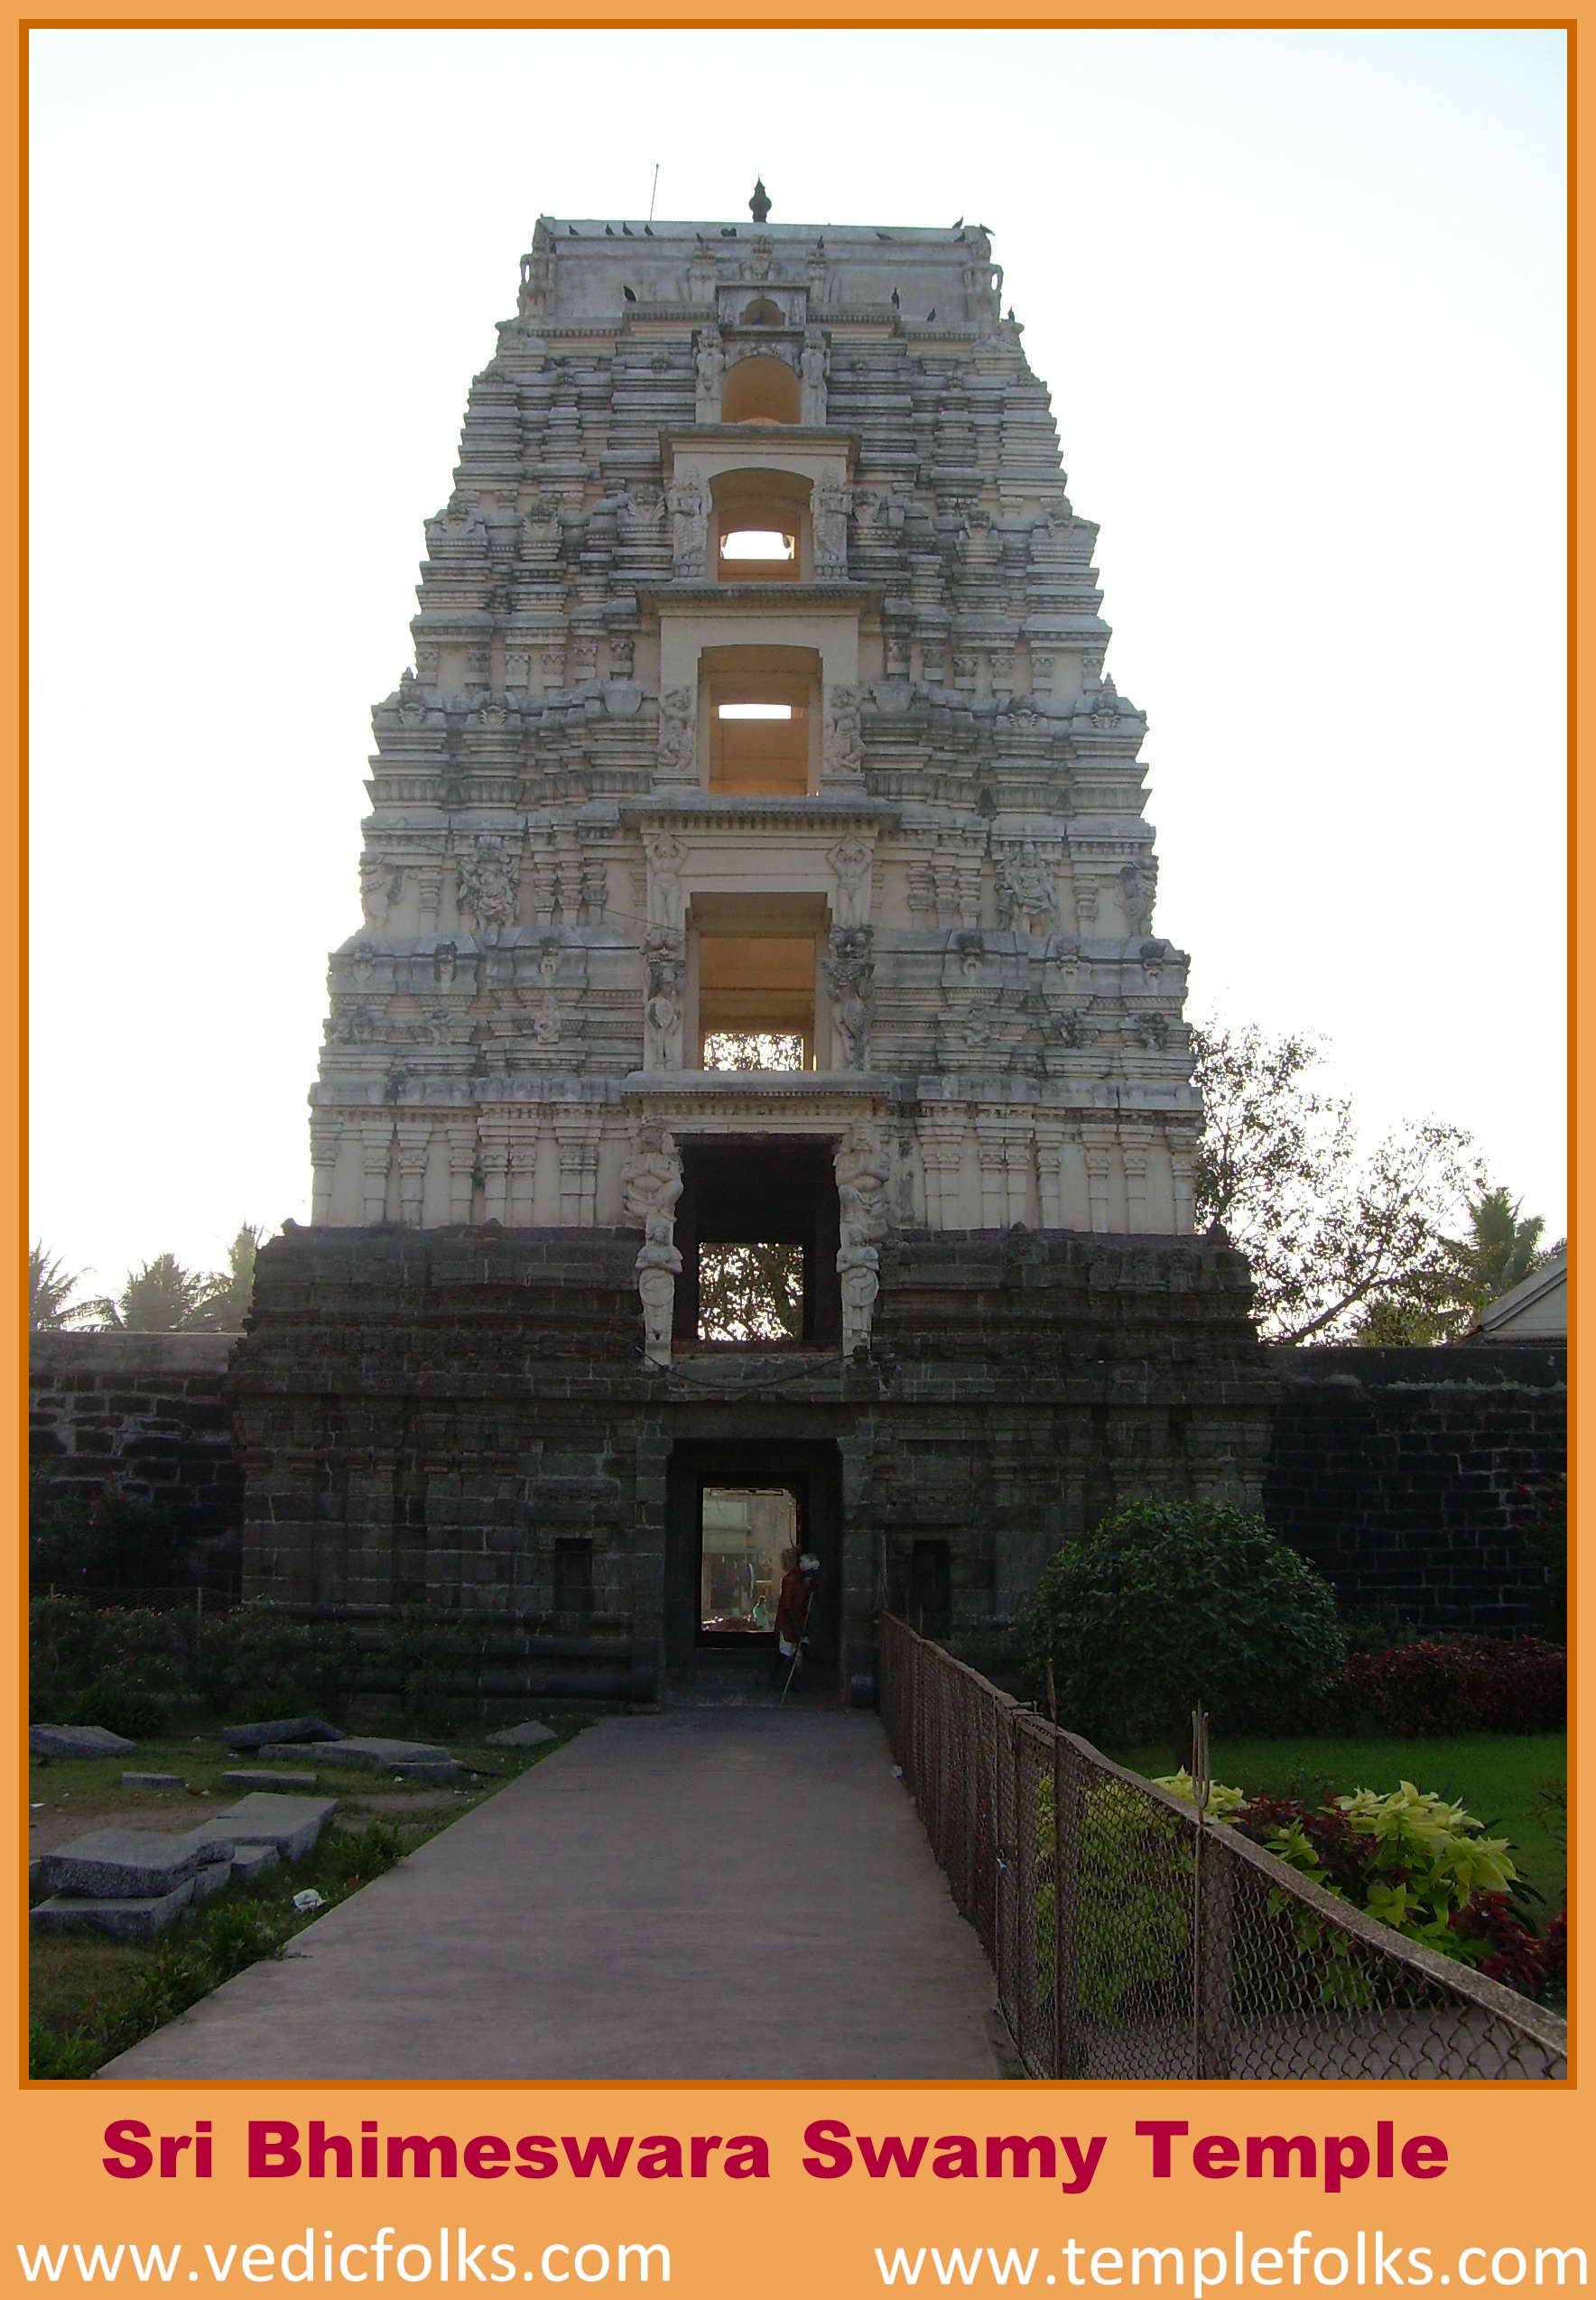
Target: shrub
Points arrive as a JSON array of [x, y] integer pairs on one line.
[[120, 1666], [254, 1658], [420, 1656], [1171, 1604], [1451, 1684]]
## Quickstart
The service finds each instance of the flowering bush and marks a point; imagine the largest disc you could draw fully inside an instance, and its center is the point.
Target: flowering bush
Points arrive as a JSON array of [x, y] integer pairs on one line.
[[1451, 1684]]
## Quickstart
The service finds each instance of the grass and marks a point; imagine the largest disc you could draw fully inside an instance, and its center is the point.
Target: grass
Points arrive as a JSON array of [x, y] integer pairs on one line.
[[1499, 1777], [90, 1998]]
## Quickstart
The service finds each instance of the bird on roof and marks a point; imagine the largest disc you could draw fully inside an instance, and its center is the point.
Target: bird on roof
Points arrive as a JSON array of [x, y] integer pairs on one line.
[[930, 315], [626, 291], [627, 233], [729, 231], [572, 232], [648, 231], [897, 303], [883, 234], [759, 206], [610, 231], [957, 222]]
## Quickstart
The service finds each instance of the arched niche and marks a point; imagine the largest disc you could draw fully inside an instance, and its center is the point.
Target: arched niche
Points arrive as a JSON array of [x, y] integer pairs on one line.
[[761, 313], [760, 725], [760, 527], [761, 390]]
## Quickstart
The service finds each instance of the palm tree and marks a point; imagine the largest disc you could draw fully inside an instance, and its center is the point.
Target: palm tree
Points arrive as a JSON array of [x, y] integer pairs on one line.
[[1501, 1250], [162, 1297], [51, 1288]]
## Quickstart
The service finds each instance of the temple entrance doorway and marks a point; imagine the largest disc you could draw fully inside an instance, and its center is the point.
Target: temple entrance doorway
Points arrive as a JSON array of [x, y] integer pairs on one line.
[[735, 1513]]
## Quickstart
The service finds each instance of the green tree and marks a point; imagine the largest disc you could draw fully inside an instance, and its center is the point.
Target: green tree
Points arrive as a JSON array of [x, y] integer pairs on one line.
[[163, 1297], [1337, 1235], [51, 1288], [239, 1284], [1500, 1249], [751, 1293]]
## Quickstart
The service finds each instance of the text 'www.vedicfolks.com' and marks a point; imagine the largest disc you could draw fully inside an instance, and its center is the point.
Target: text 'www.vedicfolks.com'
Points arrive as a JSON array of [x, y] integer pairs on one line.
[[321, 2257]]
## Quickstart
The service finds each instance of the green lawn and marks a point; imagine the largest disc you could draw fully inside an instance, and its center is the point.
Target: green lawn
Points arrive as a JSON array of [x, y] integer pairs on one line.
[[1498, 1776]]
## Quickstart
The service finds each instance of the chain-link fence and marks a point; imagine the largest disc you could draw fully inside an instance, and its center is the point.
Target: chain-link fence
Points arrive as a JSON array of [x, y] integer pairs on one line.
[[1131, 1939]]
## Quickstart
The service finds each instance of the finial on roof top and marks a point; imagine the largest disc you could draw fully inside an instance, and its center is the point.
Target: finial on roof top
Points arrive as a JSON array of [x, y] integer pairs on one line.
[[759, 206]]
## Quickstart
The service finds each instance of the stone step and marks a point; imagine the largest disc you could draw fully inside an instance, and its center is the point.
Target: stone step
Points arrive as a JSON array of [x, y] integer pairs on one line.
[[266, 1777], [528, 1736], [133, 1864], [250, 1861], [153, 1781]]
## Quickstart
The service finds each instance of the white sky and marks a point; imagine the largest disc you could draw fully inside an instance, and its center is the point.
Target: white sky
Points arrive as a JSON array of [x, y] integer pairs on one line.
[[1298, 297]]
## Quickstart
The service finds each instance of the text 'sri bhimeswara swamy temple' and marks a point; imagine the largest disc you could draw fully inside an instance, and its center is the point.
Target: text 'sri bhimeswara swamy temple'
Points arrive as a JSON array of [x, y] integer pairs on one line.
[[756, 861]]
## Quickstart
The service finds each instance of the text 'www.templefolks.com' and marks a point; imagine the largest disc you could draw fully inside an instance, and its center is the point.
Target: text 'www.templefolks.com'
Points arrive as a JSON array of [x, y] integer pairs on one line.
[[1364, 2262], [319, 2257]]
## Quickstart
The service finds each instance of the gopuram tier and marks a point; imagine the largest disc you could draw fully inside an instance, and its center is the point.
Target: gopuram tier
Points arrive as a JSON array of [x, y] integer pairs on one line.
[[757, 893]]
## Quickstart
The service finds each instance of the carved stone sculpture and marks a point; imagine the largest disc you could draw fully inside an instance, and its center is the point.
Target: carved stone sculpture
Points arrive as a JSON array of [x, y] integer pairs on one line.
[[1027, 895], [666, 854], [678, 735], [849, 963], [709, 371], [828, 510], [850, 862], [843, 751], [662, 1003], [487, 882], [690, 531]]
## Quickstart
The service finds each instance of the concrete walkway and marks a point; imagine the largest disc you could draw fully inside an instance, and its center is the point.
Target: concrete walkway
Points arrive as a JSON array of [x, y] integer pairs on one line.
[[652, 1901]]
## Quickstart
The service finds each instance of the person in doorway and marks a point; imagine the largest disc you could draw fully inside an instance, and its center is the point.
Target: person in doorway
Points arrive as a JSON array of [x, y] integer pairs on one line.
[[799, 1577]]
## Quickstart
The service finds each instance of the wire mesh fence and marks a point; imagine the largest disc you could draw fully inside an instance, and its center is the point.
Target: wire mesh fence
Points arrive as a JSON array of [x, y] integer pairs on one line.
[[1132, 1939]]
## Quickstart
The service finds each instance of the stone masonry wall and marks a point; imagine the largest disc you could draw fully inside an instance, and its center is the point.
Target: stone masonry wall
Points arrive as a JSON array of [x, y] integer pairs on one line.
[[1406, 1475], [138, 1414]]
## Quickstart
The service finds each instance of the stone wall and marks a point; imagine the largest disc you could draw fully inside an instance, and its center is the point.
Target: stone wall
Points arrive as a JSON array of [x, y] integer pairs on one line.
[[1402, 1474], [138, 1414]]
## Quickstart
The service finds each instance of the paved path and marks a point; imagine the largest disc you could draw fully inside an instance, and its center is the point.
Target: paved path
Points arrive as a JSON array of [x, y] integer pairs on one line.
[[652, 1901]]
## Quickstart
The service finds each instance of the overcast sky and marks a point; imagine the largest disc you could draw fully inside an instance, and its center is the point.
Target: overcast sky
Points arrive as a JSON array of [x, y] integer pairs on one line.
[[1298, 297]]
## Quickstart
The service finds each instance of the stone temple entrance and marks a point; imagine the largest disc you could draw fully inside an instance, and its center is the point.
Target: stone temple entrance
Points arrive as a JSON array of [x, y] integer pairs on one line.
[[731, 1512]]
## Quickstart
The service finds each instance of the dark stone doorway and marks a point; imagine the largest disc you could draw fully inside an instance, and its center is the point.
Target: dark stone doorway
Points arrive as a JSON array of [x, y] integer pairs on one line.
[[705, 1602]]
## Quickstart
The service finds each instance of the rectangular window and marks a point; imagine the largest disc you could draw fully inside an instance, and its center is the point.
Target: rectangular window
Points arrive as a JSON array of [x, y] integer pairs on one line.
[[752, 1293], [742, 1532], [573, 1576]]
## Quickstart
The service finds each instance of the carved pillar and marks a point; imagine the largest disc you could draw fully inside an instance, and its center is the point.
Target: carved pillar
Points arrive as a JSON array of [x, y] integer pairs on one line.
[[1183, 1170], [326, 1134], [462, 1168], [376, 1149], [992, 1156], [1050, 1177], [651, 1185], [1099, 1170], [578, 1136], [1016, 1159], [429, 888], [496, 1167], [523, 1181], [414, 1137], [941, 1155]]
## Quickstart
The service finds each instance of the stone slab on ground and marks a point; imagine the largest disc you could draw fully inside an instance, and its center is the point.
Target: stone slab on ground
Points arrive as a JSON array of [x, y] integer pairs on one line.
[[280, 1729], [153, 1781], [266, 1777], [516, 1945], [211, 1879], [250, 1861], [530, 1735], [76, 1740], [137, 1919], [371, 1753], [290, 1823], [132, 1864]]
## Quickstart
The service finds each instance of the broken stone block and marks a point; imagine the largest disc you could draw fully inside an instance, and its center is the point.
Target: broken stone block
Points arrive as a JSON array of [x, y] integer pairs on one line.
[[132, 1864], [250, 1861], [211, 1879], [280, 1729], [528, 1736], [291, 1824], [153, 1781], [263, 1777], [136, 1918], [76, 1740], [371, 1753]]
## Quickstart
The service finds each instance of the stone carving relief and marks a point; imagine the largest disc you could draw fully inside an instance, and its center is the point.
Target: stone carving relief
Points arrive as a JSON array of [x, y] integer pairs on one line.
[[651, 1185], [861, 1170], [678, 735], [849, 964], [1027, 895], [814, 364], [690, 531], [828, 510], [1138, 881], [710, 372], [843, 753], [487, 886], [850, 862], [381, 884], [666, 854], [665, 961]]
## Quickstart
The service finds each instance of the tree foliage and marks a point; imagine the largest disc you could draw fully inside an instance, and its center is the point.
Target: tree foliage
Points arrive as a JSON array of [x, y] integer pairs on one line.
[[52, 1308], [1336, 1234], [751, 1293]]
